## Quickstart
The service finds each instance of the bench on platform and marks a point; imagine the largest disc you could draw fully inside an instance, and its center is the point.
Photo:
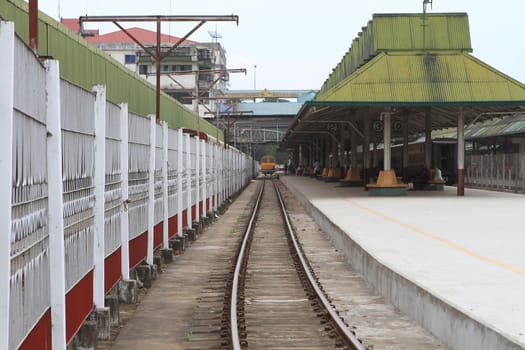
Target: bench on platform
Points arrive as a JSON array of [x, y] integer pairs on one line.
[[352, 178], [323, 174], [387, 185], [435, 185], [308, 172], [333, 175]]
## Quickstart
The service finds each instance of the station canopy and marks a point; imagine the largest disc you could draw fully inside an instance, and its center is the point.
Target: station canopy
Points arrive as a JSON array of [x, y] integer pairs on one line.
[[410, 65]]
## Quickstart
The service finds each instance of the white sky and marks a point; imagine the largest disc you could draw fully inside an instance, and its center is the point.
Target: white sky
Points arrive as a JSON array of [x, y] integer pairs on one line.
[[295, 44]]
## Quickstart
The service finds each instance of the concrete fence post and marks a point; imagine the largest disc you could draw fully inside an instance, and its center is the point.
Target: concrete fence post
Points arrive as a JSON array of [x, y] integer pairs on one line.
[[100, 184], [180, 176], [151, 187], [215, 162], [57, 270], [188, 179], [204, 180], [166, 214], [7, 62], [197, 178], [124, 214]]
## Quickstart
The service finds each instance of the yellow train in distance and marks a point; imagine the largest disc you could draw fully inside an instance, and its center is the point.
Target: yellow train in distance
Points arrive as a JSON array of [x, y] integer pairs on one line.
[[267, 165]]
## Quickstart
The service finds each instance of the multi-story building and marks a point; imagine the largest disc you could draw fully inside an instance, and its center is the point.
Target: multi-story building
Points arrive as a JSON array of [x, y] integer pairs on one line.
[[192, 73]]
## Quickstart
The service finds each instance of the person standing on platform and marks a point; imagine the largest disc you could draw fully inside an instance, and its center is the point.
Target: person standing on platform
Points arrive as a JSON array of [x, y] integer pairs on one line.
[[317, 167]]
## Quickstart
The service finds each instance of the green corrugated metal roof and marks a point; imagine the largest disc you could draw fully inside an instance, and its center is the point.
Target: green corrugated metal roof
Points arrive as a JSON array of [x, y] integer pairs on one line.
[[402, 32], [425, 78], [436, 32]]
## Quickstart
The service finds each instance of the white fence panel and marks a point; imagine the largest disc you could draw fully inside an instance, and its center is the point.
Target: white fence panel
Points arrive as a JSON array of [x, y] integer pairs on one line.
[[503, 172], [77, 111], [210, 175], [29, 282], [29, 83], [139, 131], [113, 185]]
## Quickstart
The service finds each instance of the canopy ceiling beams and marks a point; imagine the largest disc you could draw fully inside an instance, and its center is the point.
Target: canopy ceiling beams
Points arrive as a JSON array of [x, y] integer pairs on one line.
[[331, 119]]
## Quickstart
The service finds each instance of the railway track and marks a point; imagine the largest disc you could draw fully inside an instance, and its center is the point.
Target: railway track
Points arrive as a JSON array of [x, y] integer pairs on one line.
[[275, 310], [275, 300]]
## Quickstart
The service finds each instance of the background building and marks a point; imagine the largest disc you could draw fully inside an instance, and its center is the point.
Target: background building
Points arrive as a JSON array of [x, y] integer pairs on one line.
[[192, 70]]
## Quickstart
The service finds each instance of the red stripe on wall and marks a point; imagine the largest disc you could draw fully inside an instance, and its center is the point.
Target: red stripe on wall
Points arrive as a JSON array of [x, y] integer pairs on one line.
[[112, 270], [40, 335], [173, 225], [200, 208], [193, 211], [207, 205], [184, 218], [138, 248], [79, 303], [157, 235]]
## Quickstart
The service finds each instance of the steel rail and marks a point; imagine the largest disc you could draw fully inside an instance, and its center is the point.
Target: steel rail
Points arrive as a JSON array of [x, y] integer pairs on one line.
[[236, 344], [343, 331]]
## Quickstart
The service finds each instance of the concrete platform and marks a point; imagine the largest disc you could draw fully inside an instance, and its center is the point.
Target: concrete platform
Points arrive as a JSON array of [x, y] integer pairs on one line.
[[455, 265]]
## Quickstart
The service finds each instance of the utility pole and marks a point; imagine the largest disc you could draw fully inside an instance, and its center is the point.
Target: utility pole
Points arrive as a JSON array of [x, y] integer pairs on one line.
[[157, 54]]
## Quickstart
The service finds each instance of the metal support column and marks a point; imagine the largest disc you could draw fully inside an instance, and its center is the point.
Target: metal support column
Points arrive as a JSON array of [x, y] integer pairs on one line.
[[428, 138], [334, 154], [33, 25], [366, 151], [300, 162], [405, 146], [342, 141], [387, 133], [353, 150], [375, 161], [461, 154]]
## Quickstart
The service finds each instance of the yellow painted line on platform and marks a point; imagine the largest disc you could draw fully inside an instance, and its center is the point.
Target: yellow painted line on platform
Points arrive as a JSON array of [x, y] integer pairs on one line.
[[439, 239]]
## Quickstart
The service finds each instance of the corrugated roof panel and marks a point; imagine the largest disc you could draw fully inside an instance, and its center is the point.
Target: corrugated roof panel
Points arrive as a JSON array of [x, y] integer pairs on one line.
[[507, 125], [426, 78], [515, 127], [370, 44], [355, 55], [401, 32], [405, 32]]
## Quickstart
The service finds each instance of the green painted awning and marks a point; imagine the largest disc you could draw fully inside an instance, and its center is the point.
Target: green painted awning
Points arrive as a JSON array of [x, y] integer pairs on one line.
[[426, 78]]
